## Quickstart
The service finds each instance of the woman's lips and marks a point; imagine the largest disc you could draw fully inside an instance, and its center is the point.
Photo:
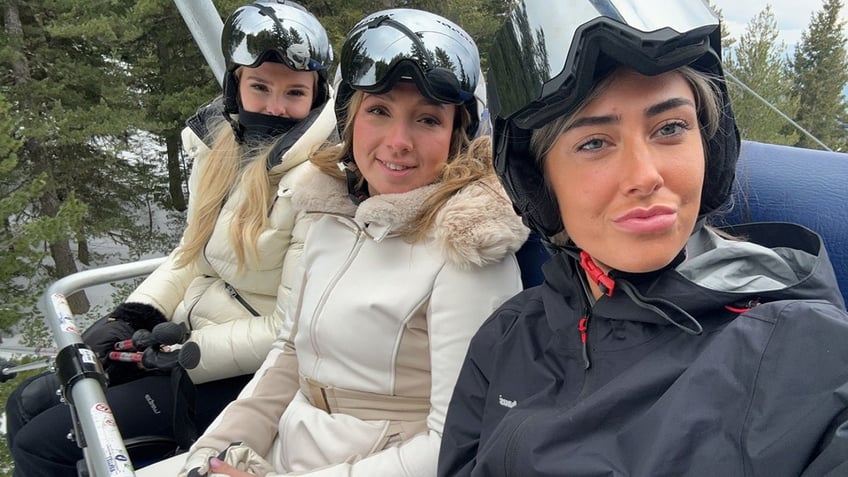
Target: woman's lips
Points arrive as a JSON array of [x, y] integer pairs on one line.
[[644, 221]]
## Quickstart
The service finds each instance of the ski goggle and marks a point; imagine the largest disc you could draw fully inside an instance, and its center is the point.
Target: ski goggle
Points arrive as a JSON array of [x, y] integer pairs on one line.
[[410, 44], [281, 32], [544, 59]]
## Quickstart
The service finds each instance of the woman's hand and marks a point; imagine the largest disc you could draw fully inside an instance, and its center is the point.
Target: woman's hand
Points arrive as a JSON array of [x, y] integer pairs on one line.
[[219, 467]]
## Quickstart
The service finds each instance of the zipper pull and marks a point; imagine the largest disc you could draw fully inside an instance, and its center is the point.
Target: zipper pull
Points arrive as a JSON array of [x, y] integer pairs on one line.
[[231, 290], [583, 328]]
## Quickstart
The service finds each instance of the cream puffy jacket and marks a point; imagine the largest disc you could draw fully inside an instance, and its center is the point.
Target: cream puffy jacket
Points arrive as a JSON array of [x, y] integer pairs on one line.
[[235, 315], [376, 333]]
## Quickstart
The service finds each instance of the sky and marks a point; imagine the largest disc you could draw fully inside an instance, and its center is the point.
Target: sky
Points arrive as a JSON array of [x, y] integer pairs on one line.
[[793, 16]]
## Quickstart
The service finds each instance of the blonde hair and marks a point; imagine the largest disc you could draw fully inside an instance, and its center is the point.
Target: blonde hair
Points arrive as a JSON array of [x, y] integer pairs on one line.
[[468, 162], [227, 166]]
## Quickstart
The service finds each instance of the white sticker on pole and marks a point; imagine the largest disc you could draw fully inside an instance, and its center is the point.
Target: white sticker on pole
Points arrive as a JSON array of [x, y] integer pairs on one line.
[[63, 313], [116, 455], [87, 356]]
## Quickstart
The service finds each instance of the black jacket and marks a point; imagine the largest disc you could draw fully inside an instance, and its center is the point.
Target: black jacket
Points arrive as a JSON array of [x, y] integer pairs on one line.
[[763, 392]]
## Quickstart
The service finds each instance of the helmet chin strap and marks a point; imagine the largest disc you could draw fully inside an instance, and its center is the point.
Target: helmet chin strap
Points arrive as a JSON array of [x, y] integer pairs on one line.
[[357, 188], [238, 130]]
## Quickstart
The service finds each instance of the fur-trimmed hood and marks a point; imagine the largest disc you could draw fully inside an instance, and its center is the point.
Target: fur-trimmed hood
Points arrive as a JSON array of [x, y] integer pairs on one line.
[[476, 226]]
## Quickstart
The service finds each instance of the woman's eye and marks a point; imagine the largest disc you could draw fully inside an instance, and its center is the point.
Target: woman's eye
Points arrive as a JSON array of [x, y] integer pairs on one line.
[[297, 92], [592, 144], [260, 87], [672, 128], [376, 110], [431, 121]]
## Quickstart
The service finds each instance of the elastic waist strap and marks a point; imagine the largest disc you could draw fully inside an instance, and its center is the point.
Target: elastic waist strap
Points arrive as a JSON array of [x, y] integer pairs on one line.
[[364, 405]]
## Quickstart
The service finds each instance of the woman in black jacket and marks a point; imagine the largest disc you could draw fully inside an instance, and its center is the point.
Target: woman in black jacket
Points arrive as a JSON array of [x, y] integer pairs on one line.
[[657, 346]]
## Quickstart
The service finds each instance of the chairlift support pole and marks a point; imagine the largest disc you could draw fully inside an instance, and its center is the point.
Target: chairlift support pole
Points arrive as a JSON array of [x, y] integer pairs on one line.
[[205, 24]]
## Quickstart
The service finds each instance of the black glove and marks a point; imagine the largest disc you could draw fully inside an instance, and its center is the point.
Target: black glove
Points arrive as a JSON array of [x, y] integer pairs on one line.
[[117, 326], [3, 365]]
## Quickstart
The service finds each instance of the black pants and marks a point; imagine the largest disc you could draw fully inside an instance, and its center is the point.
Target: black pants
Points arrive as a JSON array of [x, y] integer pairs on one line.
[[144, 407]]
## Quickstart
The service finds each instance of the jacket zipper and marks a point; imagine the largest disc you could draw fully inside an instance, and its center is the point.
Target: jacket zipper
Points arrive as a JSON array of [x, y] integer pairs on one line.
[[235, 294], [358, 241]]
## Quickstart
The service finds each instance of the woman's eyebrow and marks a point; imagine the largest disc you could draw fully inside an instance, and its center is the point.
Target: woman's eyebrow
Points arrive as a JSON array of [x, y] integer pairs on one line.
[[666, 105], [593, 121], [650, 111]]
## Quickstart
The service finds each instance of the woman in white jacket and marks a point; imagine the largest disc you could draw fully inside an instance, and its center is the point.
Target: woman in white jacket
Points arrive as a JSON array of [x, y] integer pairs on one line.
[[411, 248], [231, 275]]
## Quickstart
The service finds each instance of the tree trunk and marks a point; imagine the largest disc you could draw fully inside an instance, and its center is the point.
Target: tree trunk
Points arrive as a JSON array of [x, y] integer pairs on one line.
[[175, 171], [83, 253], [63, 258]]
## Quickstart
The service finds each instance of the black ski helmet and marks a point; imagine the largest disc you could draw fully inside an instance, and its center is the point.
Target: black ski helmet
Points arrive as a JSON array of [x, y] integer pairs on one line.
[[546, 58], [438, 55], [274, 30]]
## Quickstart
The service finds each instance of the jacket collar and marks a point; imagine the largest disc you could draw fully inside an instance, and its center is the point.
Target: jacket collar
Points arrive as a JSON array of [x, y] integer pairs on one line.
[[696, 288], [476, 226]]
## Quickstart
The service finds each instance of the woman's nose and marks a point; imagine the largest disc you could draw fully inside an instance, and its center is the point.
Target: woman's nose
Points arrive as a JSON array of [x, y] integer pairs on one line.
[[642, 175], [400, 137], [276, 107]]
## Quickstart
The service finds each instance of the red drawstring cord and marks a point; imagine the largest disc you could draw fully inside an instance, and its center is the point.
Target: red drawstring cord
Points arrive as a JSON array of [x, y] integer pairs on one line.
[[605, 283], [583, 327]]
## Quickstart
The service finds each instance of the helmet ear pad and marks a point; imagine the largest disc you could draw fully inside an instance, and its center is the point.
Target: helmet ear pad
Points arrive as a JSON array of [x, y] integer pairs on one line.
[[322, 89], [722, 154], [524, 179], [231, 92]]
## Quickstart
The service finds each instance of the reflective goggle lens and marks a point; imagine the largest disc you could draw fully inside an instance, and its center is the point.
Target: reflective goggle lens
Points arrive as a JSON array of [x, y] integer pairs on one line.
[[293, 35], [537, 42], [446, 56]]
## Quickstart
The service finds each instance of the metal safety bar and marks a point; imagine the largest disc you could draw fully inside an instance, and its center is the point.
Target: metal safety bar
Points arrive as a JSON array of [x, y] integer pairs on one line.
[[81, 374]]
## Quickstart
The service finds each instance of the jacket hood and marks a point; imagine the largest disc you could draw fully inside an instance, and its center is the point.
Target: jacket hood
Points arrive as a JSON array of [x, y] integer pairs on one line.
[[776, 261], [476, 226]]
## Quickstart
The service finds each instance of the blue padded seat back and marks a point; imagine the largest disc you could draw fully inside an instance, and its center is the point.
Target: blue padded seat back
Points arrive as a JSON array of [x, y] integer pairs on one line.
[[803, 186], [530, 258]]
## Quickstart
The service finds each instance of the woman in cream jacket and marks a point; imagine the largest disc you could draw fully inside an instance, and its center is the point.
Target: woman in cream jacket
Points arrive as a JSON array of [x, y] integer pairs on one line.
[[411, 248], [232, 272]]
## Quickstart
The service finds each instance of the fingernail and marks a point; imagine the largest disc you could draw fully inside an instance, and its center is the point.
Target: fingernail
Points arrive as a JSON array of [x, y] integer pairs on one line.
[[215, 462]]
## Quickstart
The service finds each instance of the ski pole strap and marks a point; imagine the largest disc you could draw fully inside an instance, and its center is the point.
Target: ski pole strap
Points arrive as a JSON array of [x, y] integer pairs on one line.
[[74, 362]]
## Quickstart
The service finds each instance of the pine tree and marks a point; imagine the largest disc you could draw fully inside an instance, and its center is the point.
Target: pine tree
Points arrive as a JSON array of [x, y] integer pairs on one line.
[[21, 269], [174, 79], [758, 63], [820, 73], [71, 94]]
